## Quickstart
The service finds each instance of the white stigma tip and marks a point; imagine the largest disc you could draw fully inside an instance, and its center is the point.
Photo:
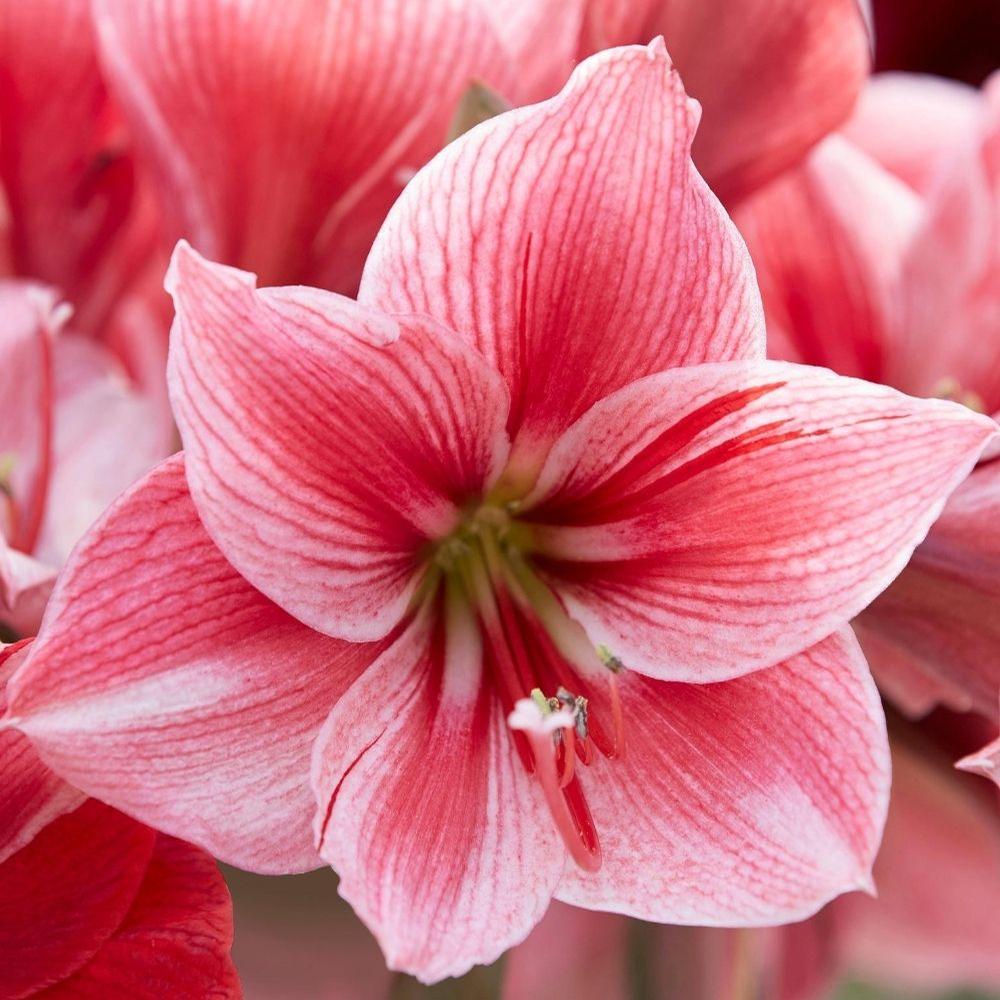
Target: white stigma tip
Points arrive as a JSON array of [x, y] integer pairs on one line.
[[529, 717]]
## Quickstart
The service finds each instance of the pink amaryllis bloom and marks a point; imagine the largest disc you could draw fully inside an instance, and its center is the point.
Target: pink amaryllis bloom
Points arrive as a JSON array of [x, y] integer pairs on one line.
[[93, 904], [773, 77], [542, 458], [72, 436], [895, 277], [280, 137]]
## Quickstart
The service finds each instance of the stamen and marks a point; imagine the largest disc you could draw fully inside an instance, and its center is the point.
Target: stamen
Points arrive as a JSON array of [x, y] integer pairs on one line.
[[566, 803]]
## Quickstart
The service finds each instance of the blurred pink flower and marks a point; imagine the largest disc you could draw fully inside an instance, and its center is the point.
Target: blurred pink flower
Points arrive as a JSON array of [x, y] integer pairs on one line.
[[772, 77], [93, 904], [895, 277], [539, 449], [73, 435], [280, 136]]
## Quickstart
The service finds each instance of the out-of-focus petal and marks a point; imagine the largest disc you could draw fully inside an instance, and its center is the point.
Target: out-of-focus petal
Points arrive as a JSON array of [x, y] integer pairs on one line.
[[66, 892], [828, 241], [174, 942], [574, 245], [933, 925], [753, 801], [326, 443], [443, 842], [281, 135], [65, 169], [712, 520], [910, 123], [934, 635], [164, 684]]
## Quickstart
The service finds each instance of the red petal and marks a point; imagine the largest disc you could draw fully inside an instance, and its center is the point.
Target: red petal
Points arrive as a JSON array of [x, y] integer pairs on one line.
[[749, 802], [63, 895], [828, 241], [326, 443], [174, 942], [540, 237], [164, 684], [280, 140]]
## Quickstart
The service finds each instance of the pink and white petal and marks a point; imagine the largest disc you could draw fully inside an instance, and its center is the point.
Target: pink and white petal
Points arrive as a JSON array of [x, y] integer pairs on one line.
[[828, 240], [65, 893], [773, 77], [938, 620], [444, 846], [910, 122], [162, 683], [326, 443], [712, 520], [749, 802], [281, 138], [574, 245], [25, 585], [31, 796], [173, 942], [985, 762], [106, 436], [69, 181], [29, 318], [932, 927]]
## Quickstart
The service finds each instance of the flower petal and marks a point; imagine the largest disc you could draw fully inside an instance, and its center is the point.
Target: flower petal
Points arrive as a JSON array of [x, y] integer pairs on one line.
[[63, 895], [31, 796], [932, 927], [712, 520], [281, 138], [934, 635], [106, 436], [574, 245], [910, 122], [773, 76], [173, 942], [326, 443], [165, 685], [750, 802], [985, 762], [444, 848], [828, 242], [69, 182]]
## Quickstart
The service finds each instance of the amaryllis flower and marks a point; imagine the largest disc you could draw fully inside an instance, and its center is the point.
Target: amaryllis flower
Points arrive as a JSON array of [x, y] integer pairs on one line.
[[773, 78], [72, 436], [93, 904], [897, 279], [280, 136], [541, 470]]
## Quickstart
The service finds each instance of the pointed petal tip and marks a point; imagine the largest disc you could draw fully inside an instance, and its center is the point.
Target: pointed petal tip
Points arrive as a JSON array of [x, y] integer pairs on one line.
[[188, 265], [866, 884]]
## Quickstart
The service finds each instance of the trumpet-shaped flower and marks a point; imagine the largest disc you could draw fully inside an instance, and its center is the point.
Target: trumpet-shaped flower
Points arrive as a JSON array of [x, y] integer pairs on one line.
[[542, 458]]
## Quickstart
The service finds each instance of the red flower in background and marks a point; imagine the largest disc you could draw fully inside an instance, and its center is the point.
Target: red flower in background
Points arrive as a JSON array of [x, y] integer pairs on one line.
[[772, 76], [93, 904]]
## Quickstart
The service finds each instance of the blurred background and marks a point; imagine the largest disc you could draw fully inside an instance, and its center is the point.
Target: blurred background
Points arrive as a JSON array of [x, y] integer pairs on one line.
[[297, 940]]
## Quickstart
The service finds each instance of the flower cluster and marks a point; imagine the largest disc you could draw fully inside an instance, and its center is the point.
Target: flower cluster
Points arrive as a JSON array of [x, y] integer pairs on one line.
[[504, 453]]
